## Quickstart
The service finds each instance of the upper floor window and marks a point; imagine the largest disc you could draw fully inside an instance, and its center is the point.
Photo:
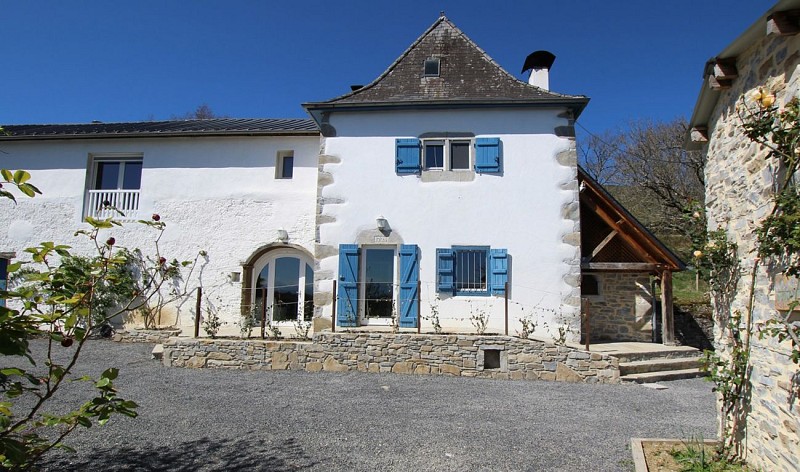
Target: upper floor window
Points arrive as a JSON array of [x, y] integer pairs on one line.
[[483, 155], [447, 154], [284, 168], [114, 185], [432, 65]]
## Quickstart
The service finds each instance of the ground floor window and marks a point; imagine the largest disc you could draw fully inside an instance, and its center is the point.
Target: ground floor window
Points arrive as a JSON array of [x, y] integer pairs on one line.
[[377, 284], [284, 287], [3, 277], [378, 277], [590, 285], [471, 270]]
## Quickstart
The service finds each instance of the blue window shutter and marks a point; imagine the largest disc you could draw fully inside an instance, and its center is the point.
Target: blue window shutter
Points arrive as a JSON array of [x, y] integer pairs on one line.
[[3, 277], [347, 305], [445, 271], [487, 155], [498, 265], [409, 276], [407, 156]]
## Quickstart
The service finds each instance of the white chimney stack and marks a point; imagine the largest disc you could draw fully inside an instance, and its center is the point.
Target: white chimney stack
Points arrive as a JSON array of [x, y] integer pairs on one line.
[[539, 64]]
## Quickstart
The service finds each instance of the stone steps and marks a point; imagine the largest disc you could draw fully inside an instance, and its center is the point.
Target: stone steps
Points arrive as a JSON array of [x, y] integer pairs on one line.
[[660, 376], [670, 353], [656, 365]]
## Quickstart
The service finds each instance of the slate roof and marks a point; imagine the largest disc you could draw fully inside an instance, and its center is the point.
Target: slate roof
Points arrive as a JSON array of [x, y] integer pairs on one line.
[[206, 127], [467, 76]]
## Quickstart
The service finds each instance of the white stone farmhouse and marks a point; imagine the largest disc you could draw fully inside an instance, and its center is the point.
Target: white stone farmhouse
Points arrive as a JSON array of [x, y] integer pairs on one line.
[[444, 187]]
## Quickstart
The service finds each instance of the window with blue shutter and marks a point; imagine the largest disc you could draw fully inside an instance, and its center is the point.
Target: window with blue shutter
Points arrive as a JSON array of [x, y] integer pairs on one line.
[[471, 270], [488, 158], [444, 271], [407, 156], [409, 276], [347, 304], [498, 266]]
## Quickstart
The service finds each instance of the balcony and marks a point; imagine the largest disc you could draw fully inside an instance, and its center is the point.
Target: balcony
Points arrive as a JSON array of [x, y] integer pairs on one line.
[[102, 204]]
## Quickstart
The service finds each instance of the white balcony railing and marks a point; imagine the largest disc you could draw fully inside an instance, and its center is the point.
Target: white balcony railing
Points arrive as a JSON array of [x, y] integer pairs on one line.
[[102, 203]]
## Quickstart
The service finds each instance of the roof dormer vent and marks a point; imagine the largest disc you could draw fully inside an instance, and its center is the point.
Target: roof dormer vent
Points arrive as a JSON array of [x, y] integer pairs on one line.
[[539, 64], [432, 67]]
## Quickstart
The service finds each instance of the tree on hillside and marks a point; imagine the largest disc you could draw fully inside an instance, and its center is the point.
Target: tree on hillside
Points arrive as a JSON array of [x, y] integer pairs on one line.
[[202, 112], [646, 167]]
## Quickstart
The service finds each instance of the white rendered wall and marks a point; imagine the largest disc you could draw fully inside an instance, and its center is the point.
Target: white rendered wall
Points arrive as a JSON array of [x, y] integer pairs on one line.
[[215, 194], [521, 210]]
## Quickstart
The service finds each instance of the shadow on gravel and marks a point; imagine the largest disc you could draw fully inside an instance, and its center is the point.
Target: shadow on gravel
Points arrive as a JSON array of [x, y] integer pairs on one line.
[[204, 454]]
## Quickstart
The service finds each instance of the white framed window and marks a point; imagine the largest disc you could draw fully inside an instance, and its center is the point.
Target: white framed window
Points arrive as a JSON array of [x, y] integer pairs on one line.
[[283, 287], [114, 185], [447, 154], [284, 167], [377, 288]]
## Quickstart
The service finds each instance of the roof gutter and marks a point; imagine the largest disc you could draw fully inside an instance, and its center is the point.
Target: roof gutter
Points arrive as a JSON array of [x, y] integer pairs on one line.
[[184, 134], [708, 96], [316, 109]]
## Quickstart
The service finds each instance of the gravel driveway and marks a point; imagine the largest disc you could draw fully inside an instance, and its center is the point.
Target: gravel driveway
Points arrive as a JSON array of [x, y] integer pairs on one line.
[[284, 421]]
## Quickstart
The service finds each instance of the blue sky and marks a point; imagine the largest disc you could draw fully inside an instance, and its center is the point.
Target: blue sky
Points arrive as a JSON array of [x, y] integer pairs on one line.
[[70, 62]]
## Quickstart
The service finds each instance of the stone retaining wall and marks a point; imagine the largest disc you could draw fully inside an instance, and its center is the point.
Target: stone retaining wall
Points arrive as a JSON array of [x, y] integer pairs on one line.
[[153, 336], [495, 357]]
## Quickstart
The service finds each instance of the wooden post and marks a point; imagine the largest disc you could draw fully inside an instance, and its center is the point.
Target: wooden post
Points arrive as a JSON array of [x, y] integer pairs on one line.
[[667, 321], [505, 295], [419, 307], [197, 312], [333, 316], [586, 324], [263, 310]]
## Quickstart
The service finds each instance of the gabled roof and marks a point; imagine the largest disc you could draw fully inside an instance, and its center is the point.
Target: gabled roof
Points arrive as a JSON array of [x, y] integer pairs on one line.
[[613, 239], [206, 127], [467, 77], [708, 95]]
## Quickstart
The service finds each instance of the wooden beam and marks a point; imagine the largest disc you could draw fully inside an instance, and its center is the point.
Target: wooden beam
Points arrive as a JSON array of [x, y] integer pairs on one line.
[[612, 222], [621, 266], [667, 316], [699, 134], [719, 84], [725, 69], [603, 243], [784, 23]]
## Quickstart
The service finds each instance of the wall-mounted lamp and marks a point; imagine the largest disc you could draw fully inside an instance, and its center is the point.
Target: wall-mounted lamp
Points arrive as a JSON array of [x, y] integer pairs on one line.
[[383, 225], [283, 236]]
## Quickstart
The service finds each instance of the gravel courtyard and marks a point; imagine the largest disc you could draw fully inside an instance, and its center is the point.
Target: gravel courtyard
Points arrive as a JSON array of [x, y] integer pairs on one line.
[[215, 420]]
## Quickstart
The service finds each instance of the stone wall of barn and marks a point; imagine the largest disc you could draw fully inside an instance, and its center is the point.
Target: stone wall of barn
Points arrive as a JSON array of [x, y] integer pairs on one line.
[[740, 184]]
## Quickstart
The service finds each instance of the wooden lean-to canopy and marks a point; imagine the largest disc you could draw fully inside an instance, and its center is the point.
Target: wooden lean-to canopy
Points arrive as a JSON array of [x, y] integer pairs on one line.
[[613, 240]]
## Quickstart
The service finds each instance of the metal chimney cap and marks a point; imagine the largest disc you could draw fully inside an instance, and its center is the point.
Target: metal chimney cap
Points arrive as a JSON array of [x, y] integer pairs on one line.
[[539, 60]]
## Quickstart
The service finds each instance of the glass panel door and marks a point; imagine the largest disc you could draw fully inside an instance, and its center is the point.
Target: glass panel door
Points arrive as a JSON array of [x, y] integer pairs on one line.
[[287, 289], [378, 283]]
